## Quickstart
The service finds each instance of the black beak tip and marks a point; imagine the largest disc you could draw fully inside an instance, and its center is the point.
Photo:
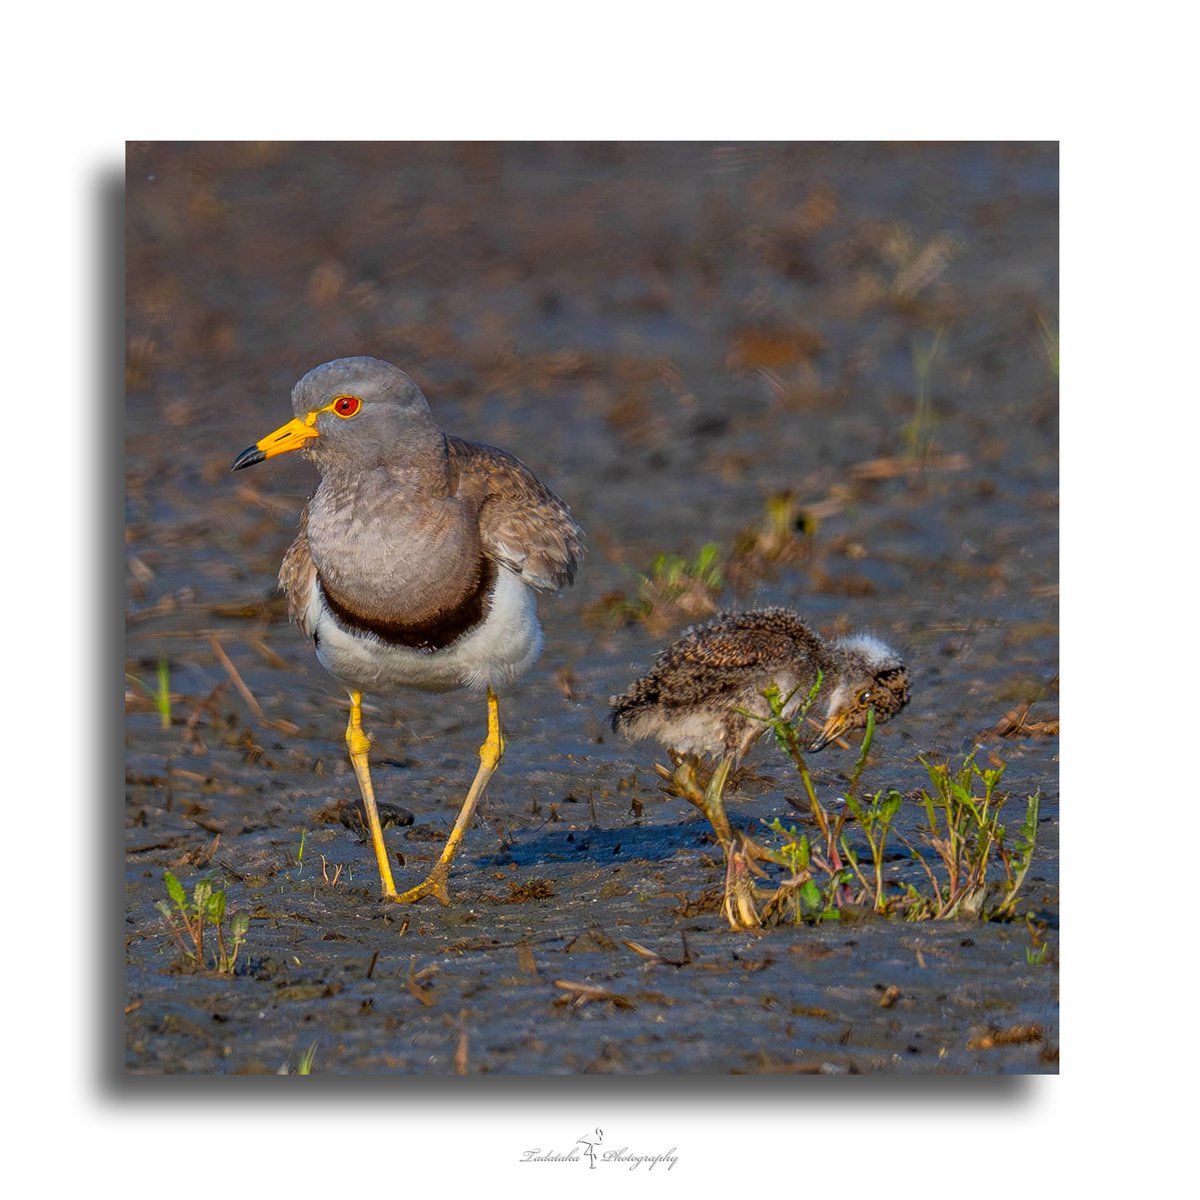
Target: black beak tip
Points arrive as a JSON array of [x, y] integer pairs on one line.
[[819, 744], [247, 458]]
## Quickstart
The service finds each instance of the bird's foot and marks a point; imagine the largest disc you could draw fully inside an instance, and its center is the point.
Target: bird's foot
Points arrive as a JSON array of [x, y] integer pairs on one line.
[[434, 885], [688, 780], [739, 906]]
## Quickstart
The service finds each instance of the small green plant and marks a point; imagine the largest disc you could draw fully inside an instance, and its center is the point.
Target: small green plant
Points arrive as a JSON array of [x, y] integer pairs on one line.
[[972, 866], [162, 698], [874, 816], [965, 832], [800, 898], [675, 585], [304, 1063], [787, 735], [188, 919], [1038, 951], [672, 575], [918, 435], [782, 534], [1049, 343]]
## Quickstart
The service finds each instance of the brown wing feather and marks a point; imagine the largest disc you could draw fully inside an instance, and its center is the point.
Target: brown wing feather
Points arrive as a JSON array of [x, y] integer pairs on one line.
[[524, 525], [298, 575]]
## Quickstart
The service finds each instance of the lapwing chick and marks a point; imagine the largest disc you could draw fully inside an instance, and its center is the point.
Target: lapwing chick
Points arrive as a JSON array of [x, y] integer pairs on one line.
[[704, 698]]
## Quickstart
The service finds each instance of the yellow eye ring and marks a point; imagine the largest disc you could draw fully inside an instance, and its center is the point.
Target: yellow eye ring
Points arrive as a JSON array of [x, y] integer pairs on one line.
[[864, 698], [346, 406]]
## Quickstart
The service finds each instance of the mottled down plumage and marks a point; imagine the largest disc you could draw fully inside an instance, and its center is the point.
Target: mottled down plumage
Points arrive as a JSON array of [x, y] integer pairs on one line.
[[704, 693]]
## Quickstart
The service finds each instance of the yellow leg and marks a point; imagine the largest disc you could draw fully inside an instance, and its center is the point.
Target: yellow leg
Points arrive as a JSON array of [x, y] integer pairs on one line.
[[740, 851], [713, 804], [360, 745], [490, 754]]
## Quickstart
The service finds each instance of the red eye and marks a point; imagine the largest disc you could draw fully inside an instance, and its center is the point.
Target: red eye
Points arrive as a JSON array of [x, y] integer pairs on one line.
[[347, 406]]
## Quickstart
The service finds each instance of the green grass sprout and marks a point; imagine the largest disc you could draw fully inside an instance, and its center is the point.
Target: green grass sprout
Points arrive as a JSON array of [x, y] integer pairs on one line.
[[162, 698], [188, 919]]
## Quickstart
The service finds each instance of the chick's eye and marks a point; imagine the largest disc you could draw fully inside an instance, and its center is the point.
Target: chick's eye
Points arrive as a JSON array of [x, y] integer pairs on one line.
[[347, 406], [864, 698]]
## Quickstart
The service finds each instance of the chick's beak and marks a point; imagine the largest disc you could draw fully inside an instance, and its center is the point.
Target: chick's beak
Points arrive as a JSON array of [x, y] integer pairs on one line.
[[288, 437], [831, 731]]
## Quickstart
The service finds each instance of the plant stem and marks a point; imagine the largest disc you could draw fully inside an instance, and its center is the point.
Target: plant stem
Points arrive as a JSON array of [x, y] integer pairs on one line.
[[163, 696]]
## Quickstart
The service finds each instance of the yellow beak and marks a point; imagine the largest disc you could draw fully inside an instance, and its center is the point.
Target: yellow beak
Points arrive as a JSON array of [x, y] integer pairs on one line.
[[288, 437], [831, 730]]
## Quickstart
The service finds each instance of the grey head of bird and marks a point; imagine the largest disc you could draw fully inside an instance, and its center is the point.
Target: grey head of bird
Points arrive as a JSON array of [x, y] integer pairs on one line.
[[356, 412], [866, 674]]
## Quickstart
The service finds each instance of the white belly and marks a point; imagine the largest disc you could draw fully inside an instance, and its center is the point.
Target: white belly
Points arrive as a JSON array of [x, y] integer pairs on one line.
[[496, 652], [695, 731]]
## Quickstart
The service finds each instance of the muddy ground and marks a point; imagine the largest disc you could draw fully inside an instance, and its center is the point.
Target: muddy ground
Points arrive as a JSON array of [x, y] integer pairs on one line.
[[670, 336]]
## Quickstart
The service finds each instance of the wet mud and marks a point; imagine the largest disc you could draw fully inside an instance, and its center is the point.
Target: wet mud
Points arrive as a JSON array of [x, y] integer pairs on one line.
[[674, 338]]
